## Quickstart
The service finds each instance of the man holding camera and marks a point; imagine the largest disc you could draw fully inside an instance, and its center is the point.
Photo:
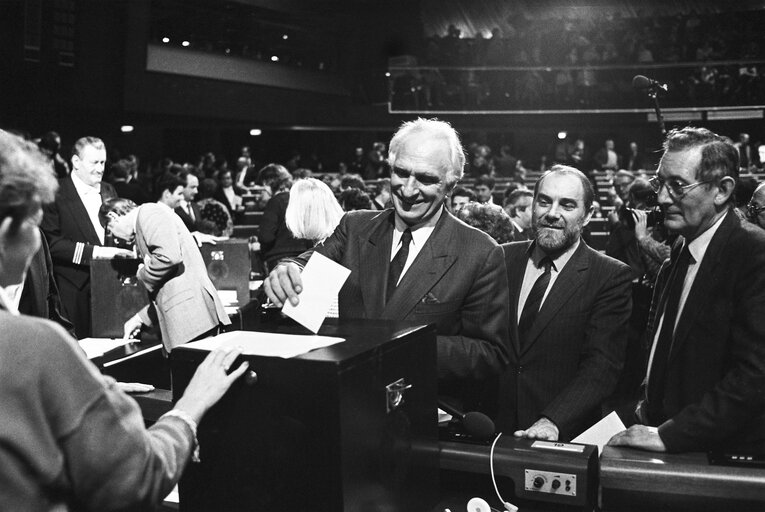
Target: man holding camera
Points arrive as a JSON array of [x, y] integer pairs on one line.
[[705, 385]]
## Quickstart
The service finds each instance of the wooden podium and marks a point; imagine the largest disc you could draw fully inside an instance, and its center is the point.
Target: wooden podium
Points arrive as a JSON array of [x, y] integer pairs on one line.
[[351, 427]]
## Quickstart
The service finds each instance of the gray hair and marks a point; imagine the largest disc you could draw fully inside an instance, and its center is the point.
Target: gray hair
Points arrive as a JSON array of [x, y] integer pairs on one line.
[[437, 130]]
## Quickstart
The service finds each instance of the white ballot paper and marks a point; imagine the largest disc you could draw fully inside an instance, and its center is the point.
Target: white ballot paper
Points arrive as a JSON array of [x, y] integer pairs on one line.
[[265, 343], [95, 347], [322, 279], [601, 432]]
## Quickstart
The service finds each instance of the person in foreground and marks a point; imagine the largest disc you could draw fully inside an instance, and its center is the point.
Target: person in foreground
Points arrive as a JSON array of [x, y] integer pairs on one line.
[[705, 385], [570, 307], [69, 438], [417, 263]]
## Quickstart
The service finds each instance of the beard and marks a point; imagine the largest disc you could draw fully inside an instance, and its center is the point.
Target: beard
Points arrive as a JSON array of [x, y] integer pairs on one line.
[[556, 238]]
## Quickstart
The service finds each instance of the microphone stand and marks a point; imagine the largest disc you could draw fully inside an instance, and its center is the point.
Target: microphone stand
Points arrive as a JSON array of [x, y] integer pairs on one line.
[[653, 93]]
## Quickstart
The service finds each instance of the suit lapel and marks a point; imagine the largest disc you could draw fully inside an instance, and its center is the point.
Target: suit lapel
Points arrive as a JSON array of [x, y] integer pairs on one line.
[[79, 212], [375, 259], [570, 279], [704, 282], [432, 262]]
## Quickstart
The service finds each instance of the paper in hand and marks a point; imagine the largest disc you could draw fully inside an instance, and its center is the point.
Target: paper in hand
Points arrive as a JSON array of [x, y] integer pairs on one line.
[[322, 279], [601, 432]]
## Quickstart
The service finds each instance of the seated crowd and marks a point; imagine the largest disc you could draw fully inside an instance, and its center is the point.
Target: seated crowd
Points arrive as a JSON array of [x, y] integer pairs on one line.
[[534, 326]]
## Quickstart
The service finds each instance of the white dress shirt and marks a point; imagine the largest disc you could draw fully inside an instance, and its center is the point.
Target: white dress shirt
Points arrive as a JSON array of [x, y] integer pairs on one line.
[[534, 270], [91, 199], [420, 235], [697, 248]]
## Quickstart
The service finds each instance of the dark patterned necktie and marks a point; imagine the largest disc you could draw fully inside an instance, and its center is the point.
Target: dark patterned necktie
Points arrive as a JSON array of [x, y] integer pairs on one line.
[[534, 301], [397, 264], [658, 374]]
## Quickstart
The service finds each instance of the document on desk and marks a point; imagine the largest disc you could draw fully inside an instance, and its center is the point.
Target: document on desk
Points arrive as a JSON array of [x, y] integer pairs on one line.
[[266, 343], [95, 347], [322, 279], [601, 432]]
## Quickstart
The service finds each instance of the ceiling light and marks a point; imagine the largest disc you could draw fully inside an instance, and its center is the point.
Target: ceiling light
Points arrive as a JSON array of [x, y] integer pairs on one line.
[[126, 128], [255, 132]]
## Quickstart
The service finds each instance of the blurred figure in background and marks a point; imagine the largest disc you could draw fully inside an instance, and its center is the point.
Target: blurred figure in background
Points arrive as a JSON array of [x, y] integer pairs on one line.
[[183, 299], [489, 218], [355, 199], [276, 241], [313, 212]]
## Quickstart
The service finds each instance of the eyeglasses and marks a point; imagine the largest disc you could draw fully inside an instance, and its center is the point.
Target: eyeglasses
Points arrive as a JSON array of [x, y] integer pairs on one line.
[[675, 187], [754, 210]]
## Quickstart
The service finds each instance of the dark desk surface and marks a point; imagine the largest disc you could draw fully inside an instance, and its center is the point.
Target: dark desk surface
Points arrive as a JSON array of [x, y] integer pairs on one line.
[[682, 474]]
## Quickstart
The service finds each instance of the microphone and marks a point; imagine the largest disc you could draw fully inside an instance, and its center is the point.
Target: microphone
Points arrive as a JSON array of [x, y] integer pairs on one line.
[[477, 424], [641, 82]]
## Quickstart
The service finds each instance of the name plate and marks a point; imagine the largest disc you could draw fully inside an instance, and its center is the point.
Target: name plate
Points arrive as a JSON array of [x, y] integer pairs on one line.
[[562, 447]]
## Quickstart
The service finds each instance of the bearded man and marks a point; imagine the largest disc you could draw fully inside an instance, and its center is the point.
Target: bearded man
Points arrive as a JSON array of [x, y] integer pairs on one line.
[[569, 309]]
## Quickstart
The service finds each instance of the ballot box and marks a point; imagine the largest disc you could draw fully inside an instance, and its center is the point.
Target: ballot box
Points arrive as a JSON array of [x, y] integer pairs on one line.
[[116, 295], [228, 265], [351, 427]]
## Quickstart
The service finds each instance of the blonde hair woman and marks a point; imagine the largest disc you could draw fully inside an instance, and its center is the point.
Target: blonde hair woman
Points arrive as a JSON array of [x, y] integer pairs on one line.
[[313, 212]]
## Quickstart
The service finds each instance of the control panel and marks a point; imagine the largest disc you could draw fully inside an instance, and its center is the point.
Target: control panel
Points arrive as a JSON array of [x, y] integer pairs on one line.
[[549, 482]]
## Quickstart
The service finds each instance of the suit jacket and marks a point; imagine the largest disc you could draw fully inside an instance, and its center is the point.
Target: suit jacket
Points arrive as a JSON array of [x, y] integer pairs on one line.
[[40, 294], [174, 273], [575, 352], [715, 386], [191, 224], [457, 282], [70, 234], [69, 437]]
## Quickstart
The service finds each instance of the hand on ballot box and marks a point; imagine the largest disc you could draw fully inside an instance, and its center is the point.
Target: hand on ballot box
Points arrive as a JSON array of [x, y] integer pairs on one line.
[[132, 327], [204, 238], [639, 436], [109, 253], [211, 381], [543, 429], [284, 283]]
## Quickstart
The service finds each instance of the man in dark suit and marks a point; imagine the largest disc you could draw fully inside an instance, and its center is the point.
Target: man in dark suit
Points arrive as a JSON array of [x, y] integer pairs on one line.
[[188, 210], [74, 234], [705, 385], [518, 207], [569, 309], [417, 263]]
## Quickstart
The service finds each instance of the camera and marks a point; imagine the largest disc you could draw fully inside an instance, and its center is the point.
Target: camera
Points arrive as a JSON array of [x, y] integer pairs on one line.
[[654, 217]]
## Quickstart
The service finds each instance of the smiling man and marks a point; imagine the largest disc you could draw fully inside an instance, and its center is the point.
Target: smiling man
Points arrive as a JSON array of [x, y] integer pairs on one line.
[[569, 309], [74, 233], [705, 385], [417, 263]]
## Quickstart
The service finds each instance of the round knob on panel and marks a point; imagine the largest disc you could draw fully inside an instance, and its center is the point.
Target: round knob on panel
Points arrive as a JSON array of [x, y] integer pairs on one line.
[[538, 482], [555, 484]]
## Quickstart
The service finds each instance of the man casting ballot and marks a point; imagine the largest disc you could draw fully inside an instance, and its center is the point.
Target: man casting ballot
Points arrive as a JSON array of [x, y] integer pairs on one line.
[[705, 386], [417, 263]]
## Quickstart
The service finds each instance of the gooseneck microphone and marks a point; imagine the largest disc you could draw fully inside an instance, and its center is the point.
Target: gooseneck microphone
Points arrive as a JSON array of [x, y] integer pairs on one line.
[[641, 83], [475, 423], [652, 87]]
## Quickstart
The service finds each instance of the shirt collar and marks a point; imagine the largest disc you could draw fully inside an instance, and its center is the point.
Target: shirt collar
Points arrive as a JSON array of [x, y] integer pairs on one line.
[[420, 232], [698, 247], [6, 303], [83, 188], [558, 262]]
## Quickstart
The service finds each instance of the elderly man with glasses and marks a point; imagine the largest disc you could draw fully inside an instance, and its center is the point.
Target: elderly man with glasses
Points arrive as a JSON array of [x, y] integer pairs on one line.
[[705, 385]]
